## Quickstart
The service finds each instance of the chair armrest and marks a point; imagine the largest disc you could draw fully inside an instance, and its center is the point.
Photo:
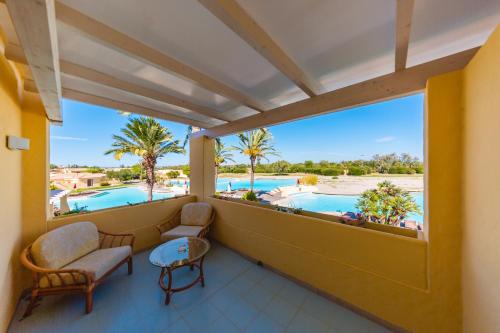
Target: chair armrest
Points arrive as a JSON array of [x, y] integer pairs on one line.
[[108, 240], [170, 223], [206, 228], [74, 275]]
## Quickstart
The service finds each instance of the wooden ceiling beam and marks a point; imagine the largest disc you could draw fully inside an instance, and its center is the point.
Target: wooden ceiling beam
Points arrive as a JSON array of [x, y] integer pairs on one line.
[[404, 12], [119, 105], [106, 35], [240, 22], [404, 82], [35, 24], [15, 53]]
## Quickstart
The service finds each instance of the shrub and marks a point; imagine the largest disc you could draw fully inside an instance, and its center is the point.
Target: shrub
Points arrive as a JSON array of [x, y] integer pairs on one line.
[[173, 174], [357, 171], [105, 184], [250, 196], [331, 172], [387, 204], [419, 169], [309, 180]]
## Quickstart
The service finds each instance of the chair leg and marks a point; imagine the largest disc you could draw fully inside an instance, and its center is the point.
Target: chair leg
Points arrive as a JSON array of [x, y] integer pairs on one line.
[[89, 301], [130, 266], [33, 302]]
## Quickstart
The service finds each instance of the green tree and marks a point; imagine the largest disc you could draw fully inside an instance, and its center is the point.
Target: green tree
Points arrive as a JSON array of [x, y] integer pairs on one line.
[[257, 145], [147, 139], [308, 164], [222, 155], [280, 167], [94, 169], [387, 204]]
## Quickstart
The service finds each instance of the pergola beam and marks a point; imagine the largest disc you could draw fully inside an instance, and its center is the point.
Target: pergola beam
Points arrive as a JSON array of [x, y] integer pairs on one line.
[[15, 53], [239, 21], [35, 24], [385, 87], [119, 105], [404, 12], [106, 35]]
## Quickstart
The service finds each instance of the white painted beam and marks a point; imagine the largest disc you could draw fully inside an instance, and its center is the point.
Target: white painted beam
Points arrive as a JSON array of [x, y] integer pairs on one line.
[[404, 12], [106, 35], [14, 53], [238, 20], [404, 82], [35, 24]]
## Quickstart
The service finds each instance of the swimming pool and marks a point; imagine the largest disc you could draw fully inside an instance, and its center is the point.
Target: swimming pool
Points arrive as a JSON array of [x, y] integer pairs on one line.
[[338, 203], [115, 197], [260, 184]]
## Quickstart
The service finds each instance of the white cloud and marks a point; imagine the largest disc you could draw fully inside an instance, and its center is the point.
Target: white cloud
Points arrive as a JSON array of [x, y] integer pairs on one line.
[[385, 139], [67, 138]]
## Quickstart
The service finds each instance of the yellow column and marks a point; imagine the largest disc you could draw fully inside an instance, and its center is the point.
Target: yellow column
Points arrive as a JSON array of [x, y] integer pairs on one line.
[[202, 167]]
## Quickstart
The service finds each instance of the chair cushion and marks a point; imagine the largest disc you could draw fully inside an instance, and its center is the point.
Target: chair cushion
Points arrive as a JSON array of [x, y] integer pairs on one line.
[[196, 213], [63, 245], [181, 231], [98, 263]]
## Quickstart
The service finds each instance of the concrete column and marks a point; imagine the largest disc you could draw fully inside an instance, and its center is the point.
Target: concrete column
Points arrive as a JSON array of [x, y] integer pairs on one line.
[[202, 167]]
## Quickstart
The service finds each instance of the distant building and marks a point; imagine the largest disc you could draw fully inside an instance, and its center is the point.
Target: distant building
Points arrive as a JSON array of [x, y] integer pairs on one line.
[[71, 178]]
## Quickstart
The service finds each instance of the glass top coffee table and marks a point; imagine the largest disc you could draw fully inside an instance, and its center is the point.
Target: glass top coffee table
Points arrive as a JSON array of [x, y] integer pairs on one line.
[[180, 252]]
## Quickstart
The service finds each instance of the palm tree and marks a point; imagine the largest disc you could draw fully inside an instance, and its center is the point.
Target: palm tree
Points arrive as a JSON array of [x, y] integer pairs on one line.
[[146, 138], [257, 145], [222, 155]]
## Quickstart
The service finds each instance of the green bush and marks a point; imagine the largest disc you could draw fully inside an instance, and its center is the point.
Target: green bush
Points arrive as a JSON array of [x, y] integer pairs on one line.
[[104, 184], [357, 171], [250, 196], [94, 170], [173, 174]]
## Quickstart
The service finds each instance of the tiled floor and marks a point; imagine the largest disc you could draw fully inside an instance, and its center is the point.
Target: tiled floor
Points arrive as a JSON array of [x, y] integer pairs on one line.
[[239, 297]]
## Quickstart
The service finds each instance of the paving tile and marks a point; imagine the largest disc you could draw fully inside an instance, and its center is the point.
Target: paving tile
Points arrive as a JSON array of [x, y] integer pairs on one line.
[[320, 308], [241, 313], [221, 325], [201, 316], [281, 311], [303, 322], [239, 296], [293, 293], [264, 324], [258, 296]]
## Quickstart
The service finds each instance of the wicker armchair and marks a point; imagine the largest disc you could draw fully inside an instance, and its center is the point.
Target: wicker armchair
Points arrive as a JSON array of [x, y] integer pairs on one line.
[[79, 273], [192, 220]]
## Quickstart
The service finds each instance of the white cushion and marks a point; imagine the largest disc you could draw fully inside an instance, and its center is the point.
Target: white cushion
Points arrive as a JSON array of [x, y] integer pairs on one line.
[[98, 263], [181, 231], [196, 213], [65, 244]]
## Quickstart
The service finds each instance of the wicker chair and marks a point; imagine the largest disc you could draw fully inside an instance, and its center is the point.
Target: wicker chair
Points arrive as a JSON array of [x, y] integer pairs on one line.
[[75, 258], [192, 220]]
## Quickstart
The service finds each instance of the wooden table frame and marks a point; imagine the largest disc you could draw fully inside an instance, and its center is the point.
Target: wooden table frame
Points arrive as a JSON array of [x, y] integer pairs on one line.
[[167, 271]]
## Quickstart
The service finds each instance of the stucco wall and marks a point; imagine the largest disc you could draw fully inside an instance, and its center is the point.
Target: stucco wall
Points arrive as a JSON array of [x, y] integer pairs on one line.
[[481, 227], [139, 219], [413, 284], [23, 182]]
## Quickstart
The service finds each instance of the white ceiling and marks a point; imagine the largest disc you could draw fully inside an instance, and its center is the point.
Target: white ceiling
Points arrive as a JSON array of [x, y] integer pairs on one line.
[[336, 42]]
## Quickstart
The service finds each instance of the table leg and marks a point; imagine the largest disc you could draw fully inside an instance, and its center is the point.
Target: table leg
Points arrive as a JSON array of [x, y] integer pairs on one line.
[[202, 277], [168, 288]]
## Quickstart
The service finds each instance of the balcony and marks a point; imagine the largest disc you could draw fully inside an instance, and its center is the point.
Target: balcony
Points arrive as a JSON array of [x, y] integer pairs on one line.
[[239, 296], [229, 66]]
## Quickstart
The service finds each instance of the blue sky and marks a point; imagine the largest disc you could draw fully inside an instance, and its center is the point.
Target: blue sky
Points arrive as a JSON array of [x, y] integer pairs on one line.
[[358, 133]]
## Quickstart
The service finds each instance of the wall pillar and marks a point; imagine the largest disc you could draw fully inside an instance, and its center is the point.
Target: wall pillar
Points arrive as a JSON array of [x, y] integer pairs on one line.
[[202, 167]]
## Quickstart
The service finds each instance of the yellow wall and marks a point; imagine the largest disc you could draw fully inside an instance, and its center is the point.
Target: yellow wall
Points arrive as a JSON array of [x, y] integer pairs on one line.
[[201, 162], [481, 227], [23, 187], [139, 220], [410, 283]]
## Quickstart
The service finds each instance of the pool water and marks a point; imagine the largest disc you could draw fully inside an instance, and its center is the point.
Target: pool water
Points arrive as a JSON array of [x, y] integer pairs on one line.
[[260, 184], [115, 197], [339, 203]]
